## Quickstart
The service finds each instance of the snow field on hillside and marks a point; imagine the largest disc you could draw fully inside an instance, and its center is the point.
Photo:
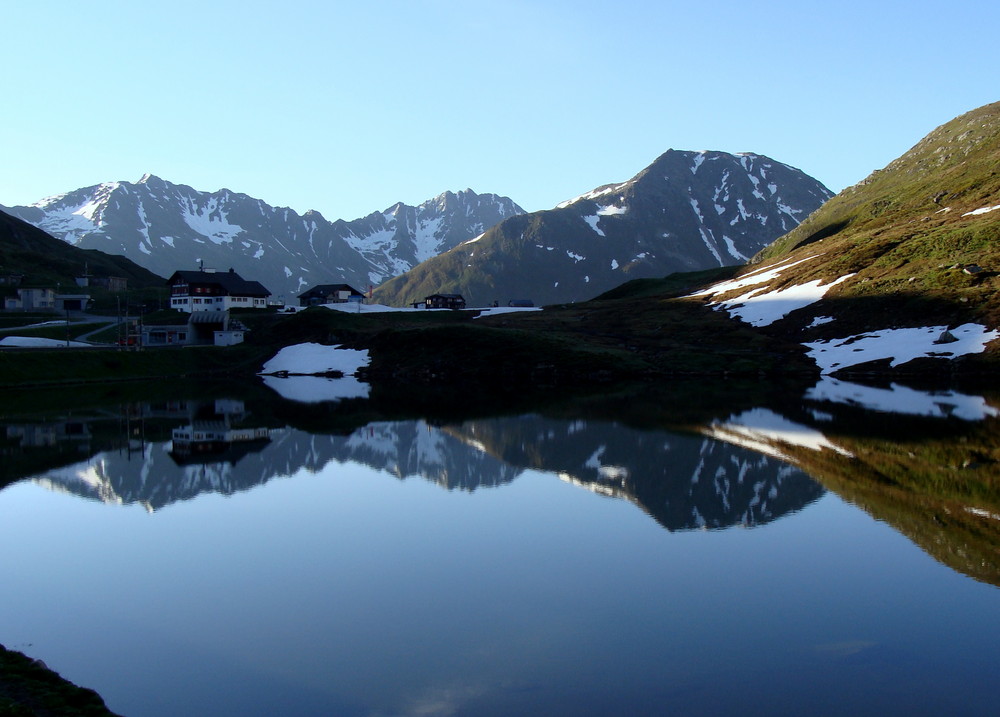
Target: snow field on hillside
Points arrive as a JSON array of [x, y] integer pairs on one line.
[[763, 309], [899, 345], [982, 210], [760, 307]]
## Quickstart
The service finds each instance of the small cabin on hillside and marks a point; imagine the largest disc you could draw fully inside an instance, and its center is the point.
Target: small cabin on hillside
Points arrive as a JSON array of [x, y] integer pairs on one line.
[[209, 290], [445, 301], [330, 294]]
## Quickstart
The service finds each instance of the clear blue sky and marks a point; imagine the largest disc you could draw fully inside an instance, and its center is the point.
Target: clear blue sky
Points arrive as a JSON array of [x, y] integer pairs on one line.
[[348, 107]]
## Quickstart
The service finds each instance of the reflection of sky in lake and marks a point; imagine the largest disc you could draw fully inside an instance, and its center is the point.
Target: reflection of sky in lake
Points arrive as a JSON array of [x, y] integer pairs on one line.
[[346, 591]]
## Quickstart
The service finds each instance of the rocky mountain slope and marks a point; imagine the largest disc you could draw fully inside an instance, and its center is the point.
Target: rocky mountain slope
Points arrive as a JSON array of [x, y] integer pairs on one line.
[[686, 211], [165, 227]]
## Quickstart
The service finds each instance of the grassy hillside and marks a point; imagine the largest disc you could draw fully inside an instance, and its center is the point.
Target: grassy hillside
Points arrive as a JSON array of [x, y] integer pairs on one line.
[[908, 231], [44, 260]]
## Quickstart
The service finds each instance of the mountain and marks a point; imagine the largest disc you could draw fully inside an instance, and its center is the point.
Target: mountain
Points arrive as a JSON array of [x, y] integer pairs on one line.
[[44, 260], [903, 265], [686, 211], [165, 227]]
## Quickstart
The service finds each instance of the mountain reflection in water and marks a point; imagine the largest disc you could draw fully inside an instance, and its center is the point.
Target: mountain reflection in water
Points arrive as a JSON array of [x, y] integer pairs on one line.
[[483, 581], [684, 481]]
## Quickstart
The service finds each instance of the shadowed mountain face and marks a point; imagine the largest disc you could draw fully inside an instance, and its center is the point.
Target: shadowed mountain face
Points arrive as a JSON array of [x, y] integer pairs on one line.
[[165, 227], [686, 211], [683, 481]]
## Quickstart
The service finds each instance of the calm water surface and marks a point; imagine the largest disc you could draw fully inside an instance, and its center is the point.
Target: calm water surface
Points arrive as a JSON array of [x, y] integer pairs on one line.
[[197, 559]]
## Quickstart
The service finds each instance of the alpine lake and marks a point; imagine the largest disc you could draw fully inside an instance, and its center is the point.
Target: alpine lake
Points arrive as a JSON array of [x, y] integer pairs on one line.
[[714, 549]]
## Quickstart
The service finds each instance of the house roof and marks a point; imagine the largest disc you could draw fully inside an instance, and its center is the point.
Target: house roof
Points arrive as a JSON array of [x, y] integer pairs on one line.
[[447, 296], [207, 317], [229, 281], [324, 289]]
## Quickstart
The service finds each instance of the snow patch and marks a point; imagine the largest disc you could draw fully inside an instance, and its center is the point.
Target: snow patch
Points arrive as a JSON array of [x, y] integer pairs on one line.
[[75, 220], [984, 210], [820, 320], [210, 221], [506, 310], [311, 359], [593, 194], [758, 276], [706, 236], [899, 345], [763, 309], [592, 221], [426, 240], [733, 251]]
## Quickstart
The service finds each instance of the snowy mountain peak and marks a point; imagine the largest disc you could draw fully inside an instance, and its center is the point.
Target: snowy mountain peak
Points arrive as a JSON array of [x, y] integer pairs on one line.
[[164, 226]]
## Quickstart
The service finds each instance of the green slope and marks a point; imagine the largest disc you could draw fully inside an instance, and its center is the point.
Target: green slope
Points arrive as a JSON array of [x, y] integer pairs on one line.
[[908, 231], [45, 260]]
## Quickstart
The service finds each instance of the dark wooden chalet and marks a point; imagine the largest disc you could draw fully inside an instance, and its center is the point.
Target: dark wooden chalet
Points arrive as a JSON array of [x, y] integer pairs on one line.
[[445, 301], [330, 294]]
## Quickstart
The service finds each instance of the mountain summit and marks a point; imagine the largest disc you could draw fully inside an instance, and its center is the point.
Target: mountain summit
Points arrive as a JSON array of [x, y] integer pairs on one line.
[[165, 227], [685, 211]]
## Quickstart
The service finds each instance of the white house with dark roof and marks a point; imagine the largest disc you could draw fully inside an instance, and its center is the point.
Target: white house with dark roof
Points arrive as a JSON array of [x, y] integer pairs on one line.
[[210, 290]]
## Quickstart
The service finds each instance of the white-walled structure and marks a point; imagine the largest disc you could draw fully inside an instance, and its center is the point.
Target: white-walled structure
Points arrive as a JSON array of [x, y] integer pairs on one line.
[[209, 290]]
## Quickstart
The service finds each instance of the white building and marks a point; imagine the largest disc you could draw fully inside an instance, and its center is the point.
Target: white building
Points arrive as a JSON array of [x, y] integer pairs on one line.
[[209, 290]]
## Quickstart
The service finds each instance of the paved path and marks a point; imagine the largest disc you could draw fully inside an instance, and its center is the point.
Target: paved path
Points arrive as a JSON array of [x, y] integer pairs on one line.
[[100, 322]]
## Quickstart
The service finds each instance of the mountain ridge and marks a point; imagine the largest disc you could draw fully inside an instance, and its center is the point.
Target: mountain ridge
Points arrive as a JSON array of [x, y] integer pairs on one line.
[[165, 226], [685, 211]]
